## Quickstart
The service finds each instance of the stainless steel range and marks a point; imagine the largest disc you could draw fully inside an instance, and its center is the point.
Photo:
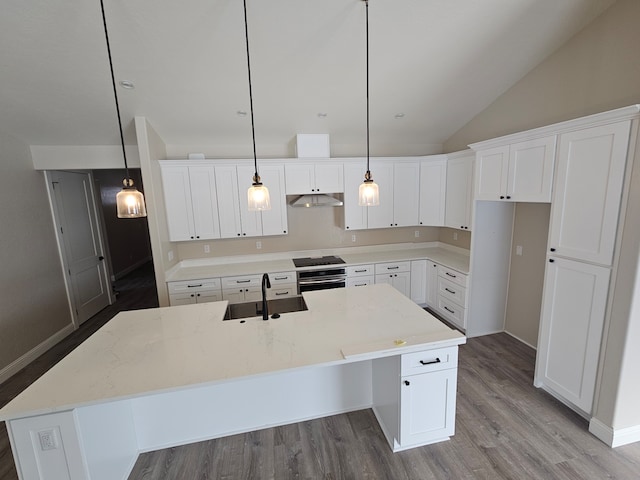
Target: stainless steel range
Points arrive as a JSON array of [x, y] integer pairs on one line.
[[325, 277]]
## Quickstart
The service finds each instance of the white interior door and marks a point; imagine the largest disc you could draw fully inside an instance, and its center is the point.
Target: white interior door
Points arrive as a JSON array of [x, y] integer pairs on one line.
[[81, 244]]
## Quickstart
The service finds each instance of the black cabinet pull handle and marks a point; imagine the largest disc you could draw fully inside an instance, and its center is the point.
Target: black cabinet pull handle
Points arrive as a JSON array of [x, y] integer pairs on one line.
[[437, 360], [280, 278], [551, 260], [552, 249], [449, 310], [194, 285], [243, 281], [450, 291], [360, 271], [393, 268], [451, 275], [281, 293], [407, 382]]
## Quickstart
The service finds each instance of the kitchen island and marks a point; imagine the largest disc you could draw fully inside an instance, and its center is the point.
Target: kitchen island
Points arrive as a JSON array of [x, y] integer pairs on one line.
[[156, 378]]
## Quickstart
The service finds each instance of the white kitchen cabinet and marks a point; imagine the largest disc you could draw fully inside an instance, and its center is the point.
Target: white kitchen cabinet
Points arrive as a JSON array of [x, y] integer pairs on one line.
[[572, 319], [283, 284], [432, 284], [399, 184], [397, 274], [190, 202], [419, 281], [521, 172], [360, 275], [228, 201], [317, 177], [414, 397], [586, 201], [245, 288], [194, 291], [355, 216], [459, 194], [433, 187], [452, 296]]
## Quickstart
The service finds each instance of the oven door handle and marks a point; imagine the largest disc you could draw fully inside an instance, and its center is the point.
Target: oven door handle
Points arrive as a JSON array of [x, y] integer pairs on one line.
[[321, 281]]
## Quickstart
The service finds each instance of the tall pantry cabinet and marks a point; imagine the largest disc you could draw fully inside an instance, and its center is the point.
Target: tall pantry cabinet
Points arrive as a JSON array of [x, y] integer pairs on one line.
[[588, 333]]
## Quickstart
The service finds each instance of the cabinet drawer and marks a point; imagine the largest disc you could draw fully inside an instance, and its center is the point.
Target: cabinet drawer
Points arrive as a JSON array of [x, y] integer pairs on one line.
[[282, 291], [282, 278], [359, 270], [360, 281], [243, 281], [194, 285], [451, 291], [452, 275], [429, 361], [393, 267], [451, 311]]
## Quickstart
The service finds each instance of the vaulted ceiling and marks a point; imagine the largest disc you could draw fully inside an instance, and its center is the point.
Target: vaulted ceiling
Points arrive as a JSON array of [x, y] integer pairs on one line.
[[434, 64]]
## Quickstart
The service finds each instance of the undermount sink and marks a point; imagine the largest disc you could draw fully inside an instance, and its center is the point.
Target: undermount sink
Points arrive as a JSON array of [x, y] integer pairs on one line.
[[236, 311]]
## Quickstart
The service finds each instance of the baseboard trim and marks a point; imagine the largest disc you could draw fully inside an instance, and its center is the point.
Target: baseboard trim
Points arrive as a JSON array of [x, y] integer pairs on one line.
[[614, 437], [21, 362], [130, 268], [519, 339]]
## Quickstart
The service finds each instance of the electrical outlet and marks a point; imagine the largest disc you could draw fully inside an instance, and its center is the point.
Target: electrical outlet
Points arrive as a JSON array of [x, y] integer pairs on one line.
[[416, 234], [519, 250], [48, 439], [170, 255], [207, 249], [455, 235], [258, 245], [353, 238]]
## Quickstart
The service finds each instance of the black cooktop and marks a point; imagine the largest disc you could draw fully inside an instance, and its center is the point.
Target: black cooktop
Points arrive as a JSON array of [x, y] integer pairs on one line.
[[317, 261]]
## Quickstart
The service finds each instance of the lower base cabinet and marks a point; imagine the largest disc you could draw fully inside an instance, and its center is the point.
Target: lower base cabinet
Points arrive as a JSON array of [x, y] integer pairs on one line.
[[414, 397]]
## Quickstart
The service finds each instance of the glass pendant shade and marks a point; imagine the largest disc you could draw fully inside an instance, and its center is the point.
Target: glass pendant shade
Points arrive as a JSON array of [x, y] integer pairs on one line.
[[258, 197], [368, 194], [130, 202]]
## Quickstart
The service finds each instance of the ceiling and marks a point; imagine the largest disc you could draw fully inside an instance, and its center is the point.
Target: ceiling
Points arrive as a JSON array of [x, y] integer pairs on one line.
[[436, 62]]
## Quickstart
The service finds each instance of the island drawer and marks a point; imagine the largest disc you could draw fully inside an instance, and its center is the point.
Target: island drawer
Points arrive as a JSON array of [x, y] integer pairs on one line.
[[451, 312], [282, 278], [282, 291], [242, 281], [452, 275], [451, 291], [194, 285], [359, 270], [429, 361], [392, 267], [360, 281]]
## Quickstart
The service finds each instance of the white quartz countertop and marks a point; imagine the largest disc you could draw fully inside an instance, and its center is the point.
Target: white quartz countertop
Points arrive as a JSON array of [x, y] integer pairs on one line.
[[451, 258], [143, 352]]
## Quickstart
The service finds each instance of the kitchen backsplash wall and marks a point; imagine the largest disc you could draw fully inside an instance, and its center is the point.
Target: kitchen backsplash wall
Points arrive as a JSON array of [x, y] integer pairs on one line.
[[309, 229], [455, 237]]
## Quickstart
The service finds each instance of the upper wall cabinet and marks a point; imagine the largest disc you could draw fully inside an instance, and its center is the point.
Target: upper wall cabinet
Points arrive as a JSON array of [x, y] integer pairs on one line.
[[433, 186], [399, 183], [521, 172], [355, 216], [317, 177], [191, 203], [589, 184], [459, 194]]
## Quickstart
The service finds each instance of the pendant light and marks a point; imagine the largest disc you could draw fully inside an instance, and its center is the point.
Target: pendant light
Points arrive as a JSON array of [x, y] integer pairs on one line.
[[258, 194], [368, 193], [129, 201]]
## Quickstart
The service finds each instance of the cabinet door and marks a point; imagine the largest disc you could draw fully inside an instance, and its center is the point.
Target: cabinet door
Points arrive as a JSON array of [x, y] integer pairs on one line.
[[299, 178], [204, 201], [209, 297], [459, 192], [427, 406], [329, 177], [491, 173], [381, 216], [400, 281], [433, 184], [274, 221], [235, 295], [531, 170], [586, 200], [228, 202], [250, 222], [177, 199], [182, 299], [573, 310], [406, 194], [355, 216], [419, 281], [432, 285]]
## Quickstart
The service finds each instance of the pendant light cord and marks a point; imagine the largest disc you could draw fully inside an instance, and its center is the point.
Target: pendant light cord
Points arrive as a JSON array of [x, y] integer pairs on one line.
[[253, 131], [115, 95], [366, 3]]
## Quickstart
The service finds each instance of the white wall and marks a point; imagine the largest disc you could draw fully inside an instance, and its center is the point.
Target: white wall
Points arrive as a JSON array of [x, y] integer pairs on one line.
[[32, 292]]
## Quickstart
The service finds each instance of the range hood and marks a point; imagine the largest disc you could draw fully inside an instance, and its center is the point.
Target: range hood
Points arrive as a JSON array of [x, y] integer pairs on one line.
[[316, 200]]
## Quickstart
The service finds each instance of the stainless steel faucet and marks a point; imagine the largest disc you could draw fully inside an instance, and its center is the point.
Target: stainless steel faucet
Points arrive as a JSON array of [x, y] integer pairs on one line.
[[266, 283]]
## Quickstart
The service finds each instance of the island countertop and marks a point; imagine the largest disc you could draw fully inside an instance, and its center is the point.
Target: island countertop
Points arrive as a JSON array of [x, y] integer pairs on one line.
[[172, 348]]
